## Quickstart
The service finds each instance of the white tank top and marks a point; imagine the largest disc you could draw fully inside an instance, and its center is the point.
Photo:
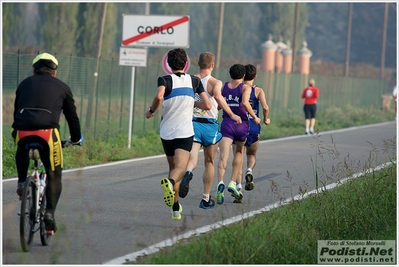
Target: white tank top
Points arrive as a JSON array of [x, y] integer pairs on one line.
[[213, 112], [177, 107]]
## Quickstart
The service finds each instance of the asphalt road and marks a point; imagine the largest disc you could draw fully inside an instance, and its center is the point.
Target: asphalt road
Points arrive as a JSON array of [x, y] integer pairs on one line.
[[109, 211]]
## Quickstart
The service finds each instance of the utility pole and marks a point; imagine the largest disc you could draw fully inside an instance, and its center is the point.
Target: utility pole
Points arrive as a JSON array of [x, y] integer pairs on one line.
[[348, 40], [98, 55], [101, 33], [296, 19], [220, 36], [384, 41]]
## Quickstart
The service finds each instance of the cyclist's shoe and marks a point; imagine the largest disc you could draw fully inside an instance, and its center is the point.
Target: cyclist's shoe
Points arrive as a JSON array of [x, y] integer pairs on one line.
[[233, 190], [169, 194], [206, 205], [20, 189], [184, 184], [49, 223], [219, 193], [249, 184], [176, 214]]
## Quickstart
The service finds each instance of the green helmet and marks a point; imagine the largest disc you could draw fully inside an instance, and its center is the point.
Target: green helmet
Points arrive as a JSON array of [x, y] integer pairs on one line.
[[45, 59]]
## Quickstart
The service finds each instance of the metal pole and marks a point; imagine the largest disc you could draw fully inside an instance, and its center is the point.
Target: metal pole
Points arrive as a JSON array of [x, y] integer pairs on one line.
[[220, 36], [296, 19], [384, 41], [131, 108], [348, 40], [99, 46]]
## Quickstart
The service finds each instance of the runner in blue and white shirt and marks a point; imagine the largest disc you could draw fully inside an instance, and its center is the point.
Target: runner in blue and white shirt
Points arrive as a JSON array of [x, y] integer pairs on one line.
[[176, 92]]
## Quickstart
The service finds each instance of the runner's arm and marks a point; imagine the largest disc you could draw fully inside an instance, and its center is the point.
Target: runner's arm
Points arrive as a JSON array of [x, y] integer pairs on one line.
[[246, 92], [222, 104], [262, 100], [156, 102]]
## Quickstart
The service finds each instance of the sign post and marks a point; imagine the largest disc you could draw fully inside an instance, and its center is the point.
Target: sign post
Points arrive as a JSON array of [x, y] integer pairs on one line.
[[129, 140], [149, 31], [132, 57]]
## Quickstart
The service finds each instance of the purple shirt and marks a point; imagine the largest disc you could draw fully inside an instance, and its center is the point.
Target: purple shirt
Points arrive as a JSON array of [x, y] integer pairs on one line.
[[233, 98]]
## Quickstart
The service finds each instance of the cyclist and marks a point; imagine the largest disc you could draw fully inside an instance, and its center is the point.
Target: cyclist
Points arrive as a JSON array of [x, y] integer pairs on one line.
[[39, 101]]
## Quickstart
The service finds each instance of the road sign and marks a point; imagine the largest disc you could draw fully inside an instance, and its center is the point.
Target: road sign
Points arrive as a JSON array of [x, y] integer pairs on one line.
[[156, 31], [166, 67], [133, 57]]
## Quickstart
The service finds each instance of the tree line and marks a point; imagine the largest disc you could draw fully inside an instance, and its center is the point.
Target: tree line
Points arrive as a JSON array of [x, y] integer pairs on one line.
[[74, 28]]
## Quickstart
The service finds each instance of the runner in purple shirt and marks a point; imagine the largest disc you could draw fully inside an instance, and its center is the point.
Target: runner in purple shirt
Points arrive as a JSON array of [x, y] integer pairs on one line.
[[237, 96]]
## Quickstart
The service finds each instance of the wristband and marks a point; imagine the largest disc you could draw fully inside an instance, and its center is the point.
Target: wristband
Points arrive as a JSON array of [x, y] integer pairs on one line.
[[151, 111]]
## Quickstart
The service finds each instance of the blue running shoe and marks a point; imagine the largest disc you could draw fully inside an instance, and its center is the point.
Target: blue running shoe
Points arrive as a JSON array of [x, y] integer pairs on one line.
[[207, 205], [219, 193], [184, 184]]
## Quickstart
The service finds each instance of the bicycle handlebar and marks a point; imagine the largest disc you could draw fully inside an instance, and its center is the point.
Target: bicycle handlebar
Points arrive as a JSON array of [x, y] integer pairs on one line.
[[69, 142]]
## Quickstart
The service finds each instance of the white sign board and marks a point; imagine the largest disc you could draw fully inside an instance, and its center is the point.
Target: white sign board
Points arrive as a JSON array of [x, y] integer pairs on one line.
[[156, 31], [136, 57]]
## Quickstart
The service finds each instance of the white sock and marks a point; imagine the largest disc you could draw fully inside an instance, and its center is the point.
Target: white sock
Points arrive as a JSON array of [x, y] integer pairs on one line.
[[239, 187], [205, 197], [311, 129], [307, 130], [249, 170]]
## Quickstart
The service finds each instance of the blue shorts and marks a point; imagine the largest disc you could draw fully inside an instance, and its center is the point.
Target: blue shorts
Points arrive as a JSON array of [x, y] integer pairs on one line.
[[238, 133], [254, 133], [206, 131]]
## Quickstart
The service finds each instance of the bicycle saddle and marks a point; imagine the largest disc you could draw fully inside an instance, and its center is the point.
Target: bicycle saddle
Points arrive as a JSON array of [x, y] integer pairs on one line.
[[34, 148]]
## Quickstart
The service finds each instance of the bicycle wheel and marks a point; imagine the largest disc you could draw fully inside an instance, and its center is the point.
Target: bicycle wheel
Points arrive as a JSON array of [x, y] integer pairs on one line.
[[43, 236], [27, 216]]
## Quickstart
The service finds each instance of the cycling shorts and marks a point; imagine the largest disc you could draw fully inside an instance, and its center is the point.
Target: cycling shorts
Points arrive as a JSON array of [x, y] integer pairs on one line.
[[48, 139]]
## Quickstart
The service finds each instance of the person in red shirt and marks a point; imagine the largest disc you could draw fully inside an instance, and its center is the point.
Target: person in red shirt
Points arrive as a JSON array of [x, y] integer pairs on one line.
[[310, 94]]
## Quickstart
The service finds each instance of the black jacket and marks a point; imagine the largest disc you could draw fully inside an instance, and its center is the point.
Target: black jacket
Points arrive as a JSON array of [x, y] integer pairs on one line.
[[38, 104]]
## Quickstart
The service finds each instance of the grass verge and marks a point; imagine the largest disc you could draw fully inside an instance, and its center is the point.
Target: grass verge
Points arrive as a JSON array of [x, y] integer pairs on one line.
[[361, 209]]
